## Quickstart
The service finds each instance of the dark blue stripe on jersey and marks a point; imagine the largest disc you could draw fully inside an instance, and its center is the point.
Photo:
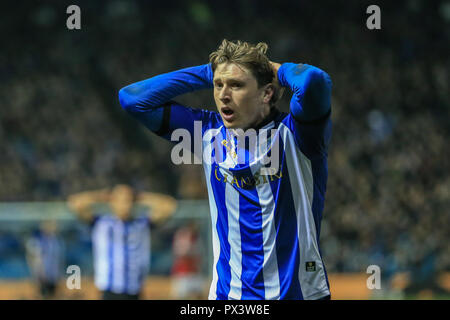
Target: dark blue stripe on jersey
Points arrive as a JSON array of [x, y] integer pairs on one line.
[[223, 264], [110, 257], [125, 255], [250, 221], [287, 244], [320, 173]]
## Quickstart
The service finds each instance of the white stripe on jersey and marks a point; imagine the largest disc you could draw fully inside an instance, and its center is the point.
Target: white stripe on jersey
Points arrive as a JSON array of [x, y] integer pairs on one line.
[[234, 239], [118, 260], [234, 231], [100, 249], [313, 284], [215, 236]]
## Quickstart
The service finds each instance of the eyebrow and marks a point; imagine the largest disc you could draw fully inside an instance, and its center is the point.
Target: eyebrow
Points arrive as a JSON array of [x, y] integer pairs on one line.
[[228, 80]]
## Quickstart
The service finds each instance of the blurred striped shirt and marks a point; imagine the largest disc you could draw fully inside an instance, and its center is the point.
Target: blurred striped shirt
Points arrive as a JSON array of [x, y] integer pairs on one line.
[[121, 252]]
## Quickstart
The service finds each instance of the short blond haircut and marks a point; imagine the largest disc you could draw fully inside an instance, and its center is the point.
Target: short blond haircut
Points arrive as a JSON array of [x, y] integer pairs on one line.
[[252, 57]]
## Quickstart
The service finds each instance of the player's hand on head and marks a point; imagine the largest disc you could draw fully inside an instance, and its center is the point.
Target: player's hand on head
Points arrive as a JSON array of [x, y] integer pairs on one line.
[[164, 208], [279, 90], [275, 66]]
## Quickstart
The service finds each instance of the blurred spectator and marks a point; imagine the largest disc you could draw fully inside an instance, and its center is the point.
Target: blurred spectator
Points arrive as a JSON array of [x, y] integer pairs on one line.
[[121, 240], [187, 280], [45, 257]]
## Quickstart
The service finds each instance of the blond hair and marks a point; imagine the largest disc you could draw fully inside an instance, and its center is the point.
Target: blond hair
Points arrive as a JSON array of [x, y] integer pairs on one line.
[[252, 57]]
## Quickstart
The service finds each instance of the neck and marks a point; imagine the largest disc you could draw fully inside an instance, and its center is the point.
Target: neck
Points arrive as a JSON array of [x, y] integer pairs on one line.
[[268, 116], [265, 112]]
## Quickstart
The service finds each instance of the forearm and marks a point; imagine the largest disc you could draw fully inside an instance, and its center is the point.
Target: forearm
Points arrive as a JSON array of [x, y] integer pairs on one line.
[[161, 206], [154, 92], [93, 196], [311, 89], [82, 201], [156, 199]]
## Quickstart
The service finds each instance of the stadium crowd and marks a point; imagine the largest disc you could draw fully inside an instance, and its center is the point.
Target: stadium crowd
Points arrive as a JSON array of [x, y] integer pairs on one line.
[[62, 129]]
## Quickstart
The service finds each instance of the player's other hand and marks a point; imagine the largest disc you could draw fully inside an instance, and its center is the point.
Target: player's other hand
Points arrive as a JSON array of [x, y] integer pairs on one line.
[[275, 67], [279, 90]]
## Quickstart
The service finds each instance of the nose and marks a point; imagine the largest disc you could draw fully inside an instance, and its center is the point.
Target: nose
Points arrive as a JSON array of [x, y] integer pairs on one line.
[[224, 94]]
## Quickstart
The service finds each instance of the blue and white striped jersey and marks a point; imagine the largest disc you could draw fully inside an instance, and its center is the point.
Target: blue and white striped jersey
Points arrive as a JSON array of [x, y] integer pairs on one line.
[[266, 231], [265, 224], [265, 227], [121, 251]]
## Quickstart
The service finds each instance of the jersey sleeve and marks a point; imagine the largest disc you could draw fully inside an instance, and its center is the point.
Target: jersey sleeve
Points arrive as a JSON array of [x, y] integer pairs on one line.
[[177, 116], [313, 138], [310, 107], [150, 101]]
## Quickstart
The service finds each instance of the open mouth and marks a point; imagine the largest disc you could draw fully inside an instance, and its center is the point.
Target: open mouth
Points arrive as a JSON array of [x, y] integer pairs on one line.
[[227, 111], [227, 114]]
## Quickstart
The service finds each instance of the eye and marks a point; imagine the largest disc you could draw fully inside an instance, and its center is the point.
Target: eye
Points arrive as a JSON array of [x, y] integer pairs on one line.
[[236, 85], [218, 84]]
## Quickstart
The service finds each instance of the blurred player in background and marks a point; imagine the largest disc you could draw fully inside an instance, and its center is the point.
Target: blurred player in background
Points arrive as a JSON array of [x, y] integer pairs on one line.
[[121, 241], [265, 227], [45, 258], [187, 281]]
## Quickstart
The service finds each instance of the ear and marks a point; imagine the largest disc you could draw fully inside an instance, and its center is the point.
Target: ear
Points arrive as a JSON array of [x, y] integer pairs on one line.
[[268, 92]]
